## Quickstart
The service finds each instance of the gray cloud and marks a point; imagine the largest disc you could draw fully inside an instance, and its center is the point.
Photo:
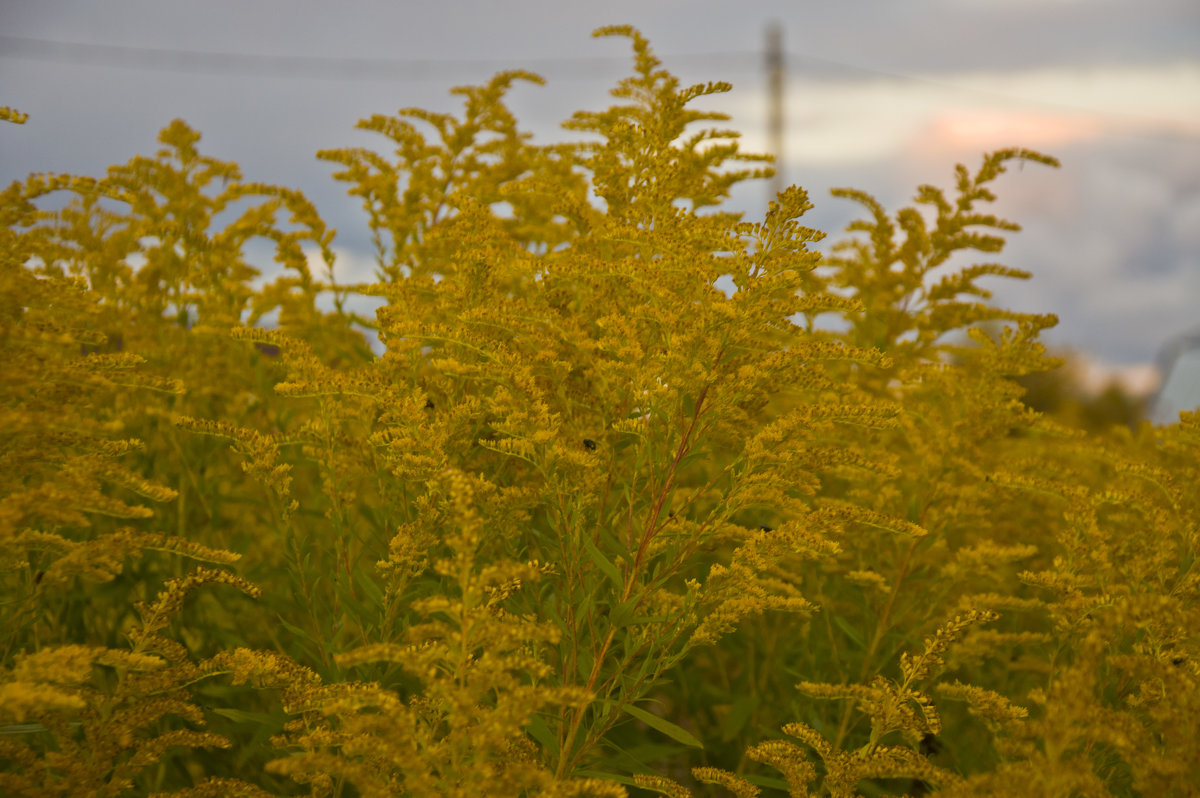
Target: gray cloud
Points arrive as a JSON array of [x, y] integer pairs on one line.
[[1109, 247]]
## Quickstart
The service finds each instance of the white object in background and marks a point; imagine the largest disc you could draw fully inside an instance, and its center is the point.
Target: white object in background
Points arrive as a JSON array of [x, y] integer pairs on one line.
[[1181, 384]]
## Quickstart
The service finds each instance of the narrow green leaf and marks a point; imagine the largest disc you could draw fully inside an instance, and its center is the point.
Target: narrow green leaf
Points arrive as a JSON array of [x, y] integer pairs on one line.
[[643, 620], [739, 715], [849, 631], [369, 588], [296, 630], [676, 733], [621, 615], [239, 716], [606, 776], [603, 563], [585, 664], [770, 782], [313, 651], [540, 731], [24, 728]]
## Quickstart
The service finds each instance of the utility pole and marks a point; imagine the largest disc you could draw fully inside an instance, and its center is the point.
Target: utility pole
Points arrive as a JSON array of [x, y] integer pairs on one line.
[[775, 103]]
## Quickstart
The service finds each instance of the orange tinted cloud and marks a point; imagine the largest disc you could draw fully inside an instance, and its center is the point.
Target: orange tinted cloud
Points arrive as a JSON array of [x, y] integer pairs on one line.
[[977, 130]]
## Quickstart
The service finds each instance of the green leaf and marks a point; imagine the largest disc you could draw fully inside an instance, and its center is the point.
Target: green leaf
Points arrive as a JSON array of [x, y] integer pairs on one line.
[[603, 563], [369, 588], [850, 631], [296, 630], [239, 716], [606, 776], [643, 620], [637, 758], [621, 615], [693, 456], [25, 728], [312, 652], [676, 733], [540, 731], [584, 662], [770, 782], [739, 714]]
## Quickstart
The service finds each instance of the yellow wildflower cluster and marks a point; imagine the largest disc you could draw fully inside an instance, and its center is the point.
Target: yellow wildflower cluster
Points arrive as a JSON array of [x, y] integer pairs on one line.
[[590, 524]]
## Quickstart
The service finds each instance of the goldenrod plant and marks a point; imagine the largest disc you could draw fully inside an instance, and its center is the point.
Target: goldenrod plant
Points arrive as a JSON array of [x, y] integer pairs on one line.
[[640, 497]]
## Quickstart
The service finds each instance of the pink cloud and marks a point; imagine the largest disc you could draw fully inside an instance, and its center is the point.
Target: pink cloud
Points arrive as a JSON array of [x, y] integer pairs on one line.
[[979, 130]]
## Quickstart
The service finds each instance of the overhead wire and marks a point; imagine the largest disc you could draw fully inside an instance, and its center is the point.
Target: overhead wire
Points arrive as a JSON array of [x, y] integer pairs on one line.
[[323, 67], [600, 68]]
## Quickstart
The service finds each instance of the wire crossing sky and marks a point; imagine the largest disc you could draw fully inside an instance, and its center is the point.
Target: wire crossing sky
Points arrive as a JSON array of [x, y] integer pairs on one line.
[[310, 67]]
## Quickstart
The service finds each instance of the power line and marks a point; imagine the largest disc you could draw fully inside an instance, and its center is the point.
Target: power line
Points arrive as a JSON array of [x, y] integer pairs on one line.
[[352, 68], [310, 67], [322, 67]]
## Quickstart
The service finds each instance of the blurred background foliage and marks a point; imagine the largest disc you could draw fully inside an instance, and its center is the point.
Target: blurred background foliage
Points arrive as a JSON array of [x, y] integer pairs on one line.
[[1064, 394]]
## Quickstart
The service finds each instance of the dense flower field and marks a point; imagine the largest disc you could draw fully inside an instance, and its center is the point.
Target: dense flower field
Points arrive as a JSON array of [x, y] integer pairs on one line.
[[591, 525]]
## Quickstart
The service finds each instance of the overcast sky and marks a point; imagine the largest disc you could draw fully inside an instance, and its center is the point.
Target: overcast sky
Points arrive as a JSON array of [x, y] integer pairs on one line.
[[881, 95]]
